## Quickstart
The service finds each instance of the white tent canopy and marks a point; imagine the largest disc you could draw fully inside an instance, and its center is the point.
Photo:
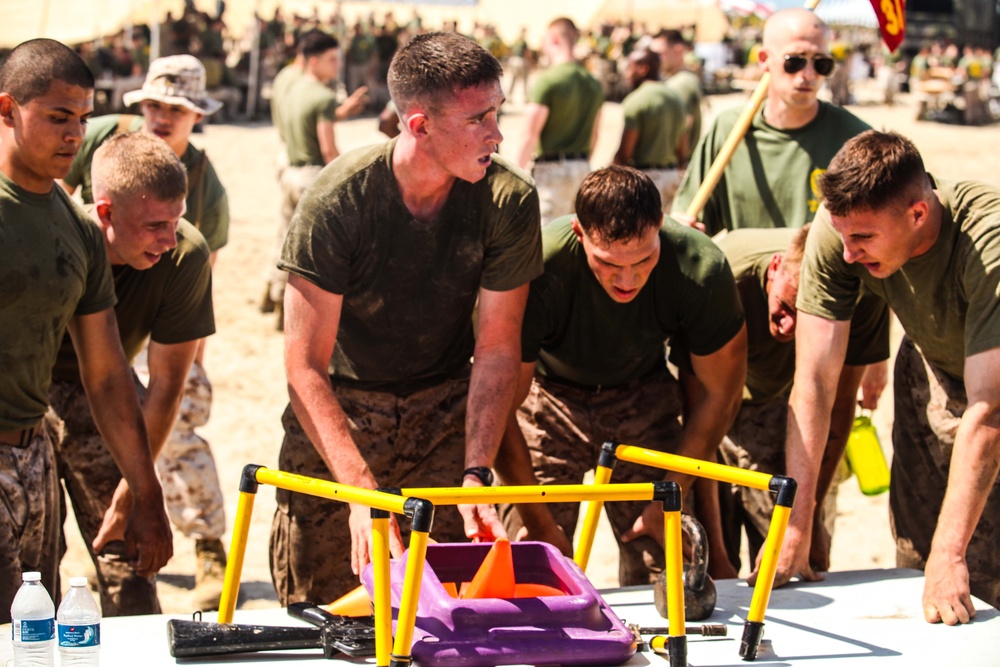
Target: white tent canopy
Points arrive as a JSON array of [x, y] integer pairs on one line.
[[74, 21], [848, 13]]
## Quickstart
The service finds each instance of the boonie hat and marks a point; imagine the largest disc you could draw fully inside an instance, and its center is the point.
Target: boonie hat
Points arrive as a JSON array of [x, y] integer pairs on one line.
[[178, 80]]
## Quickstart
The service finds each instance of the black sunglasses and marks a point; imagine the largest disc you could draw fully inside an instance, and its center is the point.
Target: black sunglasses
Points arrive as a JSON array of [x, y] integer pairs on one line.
[[822, 64]]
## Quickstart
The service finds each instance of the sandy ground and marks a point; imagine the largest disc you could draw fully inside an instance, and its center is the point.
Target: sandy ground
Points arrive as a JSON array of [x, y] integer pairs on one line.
[[244, 359]]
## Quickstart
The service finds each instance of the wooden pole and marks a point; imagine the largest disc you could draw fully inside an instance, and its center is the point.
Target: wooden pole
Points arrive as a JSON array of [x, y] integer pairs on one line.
[[733, 140]]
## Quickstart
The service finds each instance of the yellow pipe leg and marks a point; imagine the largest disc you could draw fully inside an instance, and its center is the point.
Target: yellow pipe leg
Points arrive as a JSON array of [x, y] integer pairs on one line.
[[237, 550], [592, 514], [675, 573], [769, 563], [382, 593], [408, 601]]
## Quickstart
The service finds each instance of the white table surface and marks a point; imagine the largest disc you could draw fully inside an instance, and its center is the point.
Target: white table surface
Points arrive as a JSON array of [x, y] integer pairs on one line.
[[870, 617]]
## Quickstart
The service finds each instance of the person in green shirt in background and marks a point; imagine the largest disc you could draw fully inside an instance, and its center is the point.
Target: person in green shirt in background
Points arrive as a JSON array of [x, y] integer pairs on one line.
[[655, 131], [672, 49], [307, 115], [561, 122], [163, 283], [771, 179]]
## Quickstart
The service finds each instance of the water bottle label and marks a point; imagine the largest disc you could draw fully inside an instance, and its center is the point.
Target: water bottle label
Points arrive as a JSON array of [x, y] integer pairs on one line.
[[35, 631], [79, 636]]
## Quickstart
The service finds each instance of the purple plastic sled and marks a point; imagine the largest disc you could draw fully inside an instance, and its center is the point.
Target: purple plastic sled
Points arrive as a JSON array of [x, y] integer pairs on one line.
[[578, 628]]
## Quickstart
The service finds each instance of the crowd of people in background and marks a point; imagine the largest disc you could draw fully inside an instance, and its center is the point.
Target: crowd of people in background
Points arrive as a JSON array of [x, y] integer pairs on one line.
[[951, 82]]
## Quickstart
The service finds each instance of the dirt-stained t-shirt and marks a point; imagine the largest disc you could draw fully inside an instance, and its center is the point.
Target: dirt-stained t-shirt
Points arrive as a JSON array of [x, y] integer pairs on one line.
[[170, 302], [947, 299], [657, 114], [53, 267], [770, 363], [207, 203], [577, 332], [306, 103], [573, 98], [409, 287], [772, 179]]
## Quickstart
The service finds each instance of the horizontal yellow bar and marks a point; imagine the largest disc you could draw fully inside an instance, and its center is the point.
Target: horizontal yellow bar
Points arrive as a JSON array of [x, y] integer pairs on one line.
[[334, 491], [696, 467], [533, 494]]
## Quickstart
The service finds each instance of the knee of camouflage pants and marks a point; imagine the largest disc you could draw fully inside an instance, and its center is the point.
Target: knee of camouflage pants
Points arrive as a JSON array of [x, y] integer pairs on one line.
[[196, 404]]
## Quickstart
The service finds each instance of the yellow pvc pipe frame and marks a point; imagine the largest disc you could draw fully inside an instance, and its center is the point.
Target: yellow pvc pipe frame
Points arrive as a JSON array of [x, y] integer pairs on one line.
[[406, 621], [710, 470]]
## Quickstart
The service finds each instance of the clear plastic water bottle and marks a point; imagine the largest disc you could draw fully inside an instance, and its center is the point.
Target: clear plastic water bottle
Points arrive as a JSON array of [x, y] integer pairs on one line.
[[78, 625], [34, 624]]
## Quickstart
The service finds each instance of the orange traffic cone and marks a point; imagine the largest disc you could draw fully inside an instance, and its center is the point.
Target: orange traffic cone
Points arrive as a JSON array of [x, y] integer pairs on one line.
[[355, 603], [495, 577]]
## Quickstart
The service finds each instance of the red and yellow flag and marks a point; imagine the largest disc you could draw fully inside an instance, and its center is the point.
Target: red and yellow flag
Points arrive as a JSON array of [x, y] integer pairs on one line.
[[891, 21]]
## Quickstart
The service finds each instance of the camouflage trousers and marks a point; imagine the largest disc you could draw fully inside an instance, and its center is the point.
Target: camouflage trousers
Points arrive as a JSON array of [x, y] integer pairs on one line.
[[667, 181], [408, 441], [30, 518], [293, 182], [557, 183], [756, 441], [186, 466], [565, 427], [929, 405], [91, 476]]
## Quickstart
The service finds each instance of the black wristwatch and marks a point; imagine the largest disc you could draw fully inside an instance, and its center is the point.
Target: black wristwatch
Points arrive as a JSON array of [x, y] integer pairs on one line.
[[484, 474]]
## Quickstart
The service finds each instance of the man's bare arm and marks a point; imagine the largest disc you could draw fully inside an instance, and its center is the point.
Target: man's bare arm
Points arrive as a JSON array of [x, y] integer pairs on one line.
[[626, 149], [327, 141], [841, 422], [535, 116], [975, 461], [312, 318], [820, 348], [495, 370], [114, 405], [168, 370], [595, 129]]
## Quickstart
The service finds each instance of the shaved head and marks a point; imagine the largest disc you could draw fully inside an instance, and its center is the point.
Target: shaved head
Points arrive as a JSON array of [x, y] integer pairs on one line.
[[792, 24]]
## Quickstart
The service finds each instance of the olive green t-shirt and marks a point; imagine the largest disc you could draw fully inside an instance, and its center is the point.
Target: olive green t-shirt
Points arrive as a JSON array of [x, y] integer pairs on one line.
[[946, 299], [573, 98], [409, 287], [576, 332], [170, 302], [770, 363], [685, 84], [307, 103], [280, 85], [207, 204], [53, 267], [771, 180], [657, 114]]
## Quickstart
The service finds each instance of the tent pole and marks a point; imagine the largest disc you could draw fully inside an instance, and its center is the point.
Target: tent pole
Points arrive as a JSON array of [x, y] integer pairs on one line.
[[733, 140], [254, 83], [154, 32]]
